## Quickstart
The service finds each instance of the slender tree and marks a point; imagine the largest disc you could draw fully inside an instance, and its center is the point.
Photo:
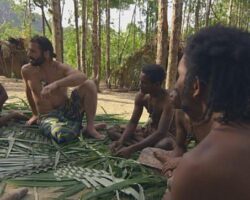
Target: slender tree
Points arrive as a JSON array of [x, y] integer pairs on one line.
[[57, 29], [197, 15], [108, 84], [208, 8], [95, 43], [77, 35], [229, 15], [175, 38], [99, 36], [162, 34], [84, 36]]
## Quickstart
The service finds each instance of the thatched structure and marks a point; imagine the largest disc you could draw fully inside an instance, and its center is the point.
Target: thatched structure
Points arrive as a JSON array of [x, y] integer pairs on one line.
[[13, 56]]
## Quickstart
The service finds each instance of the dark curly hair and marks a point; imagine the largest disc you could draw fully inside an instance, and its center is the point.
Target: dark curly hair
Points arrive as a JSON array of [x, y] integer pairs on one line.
[[220, 57], [155, 72], [44, 44]]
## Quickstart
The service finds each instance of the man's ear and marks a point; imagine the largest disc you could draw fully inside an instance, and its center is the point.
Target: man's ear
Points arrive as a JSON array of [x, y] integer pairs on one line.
[[46, 54], [157, 84], [196, 87]]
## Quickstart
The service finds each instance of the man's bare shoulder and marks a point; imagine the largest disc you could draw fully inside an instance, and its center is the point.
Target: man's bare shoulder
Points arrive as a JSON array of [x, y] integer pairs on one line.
[[211, 165], [141, 98], [62, 65], [27, 69], [64, 68]]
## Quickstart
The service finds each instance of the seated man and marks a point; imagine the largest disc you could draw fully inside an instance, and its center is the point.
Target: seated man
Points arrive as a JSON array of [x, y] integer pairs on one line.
[[214, 77], [46, 83], [12, 115], [156, 101]]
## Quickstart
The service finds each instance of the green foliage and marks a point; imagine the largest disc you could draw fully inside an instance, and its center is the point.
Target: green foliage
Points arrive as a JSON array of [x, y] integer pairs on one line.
[[15, 22], [29, 159]]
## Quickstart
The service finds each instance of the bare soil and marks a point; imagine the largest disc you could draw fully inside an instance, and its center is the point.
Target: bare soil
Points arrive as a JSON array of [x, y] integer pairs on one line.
[[109, 101]]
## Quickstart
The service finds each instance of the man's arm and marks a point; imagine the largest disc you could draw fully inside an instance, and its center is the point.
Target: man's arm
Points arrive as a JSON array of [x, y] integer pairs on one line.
[[166, 119], [3, 96], [181, 134], [28, 91], [133, 122], [72, 77], [29, 96]]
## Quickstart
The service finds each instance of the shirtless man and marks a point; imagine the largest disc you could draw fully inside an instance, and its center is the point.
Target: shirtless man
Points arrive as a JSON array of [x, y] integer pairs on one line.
[[214, 76], [46, 83], [11, 115], [156, 101]]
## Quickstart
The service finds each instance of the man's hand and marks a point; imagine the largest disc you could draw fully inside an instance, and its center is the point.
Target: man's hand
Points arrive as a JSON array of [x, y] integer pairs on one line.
[[47, 90], [169, 163], [170, 166], [125, 152], [32, 120], [17, 115], [116, 146]]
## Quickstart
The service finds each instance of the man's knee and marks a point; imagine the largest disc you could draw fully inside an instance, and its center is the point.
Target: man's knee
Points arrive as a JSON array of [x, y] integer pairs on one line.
[[88, 86], [167, 144]]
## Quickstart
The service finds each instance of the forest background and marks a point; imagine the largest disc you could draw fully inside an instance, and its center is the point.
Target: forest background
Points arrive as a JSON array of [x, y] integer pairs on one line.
[[96, 43]]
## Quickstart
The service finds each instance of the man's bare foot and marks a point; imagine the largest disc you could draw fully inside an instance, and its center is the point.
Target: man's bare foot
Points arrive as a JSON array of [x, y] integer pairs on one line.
[[100, 126], [162, 158], [18, 115], [93, 133]]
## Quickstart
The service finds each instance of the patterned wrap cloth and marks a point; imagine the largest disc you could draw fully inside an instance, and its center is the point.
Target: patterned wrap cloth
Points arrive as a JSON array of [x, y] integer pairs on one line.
[[65, 123]]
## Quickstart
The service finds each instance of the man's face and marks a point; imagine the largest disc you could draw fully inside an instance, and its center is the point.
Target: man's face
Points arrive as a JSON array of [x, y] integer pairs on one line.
[[146, 85], [178, 98], [35, 54], [189, 99]]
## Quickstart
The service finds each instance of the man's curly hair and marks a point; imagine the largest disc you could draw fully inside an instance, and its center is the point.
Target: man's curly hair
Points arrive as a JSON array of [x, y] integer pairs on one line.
[[220, 57]]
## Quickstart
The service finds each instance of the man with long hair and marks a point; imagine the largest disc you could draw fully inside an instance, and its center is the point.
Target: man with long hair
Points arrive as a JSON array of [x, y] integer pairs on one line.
[[46, 83], [214, 77]]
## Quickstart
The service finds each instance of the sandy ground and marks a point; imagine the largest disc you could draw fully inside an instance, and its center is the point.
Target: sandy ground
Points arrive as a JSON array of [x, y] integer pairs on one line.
[[111, 102]]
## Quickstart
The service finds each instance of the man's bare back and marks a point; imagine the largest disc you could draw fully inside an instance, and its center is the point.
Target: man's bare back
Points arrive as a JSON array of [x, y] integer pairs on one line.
[[224, 155]]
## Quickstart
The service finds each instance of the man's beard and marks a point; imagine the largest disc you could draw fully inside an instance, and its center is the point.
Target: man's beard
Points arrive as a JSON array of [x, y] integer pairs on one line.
[[37, 62]]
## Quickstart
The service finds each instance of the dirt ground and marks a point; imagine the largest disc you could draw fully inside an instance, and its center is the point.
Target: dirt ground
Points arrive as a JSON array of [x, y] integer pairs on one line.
[[108, 101]]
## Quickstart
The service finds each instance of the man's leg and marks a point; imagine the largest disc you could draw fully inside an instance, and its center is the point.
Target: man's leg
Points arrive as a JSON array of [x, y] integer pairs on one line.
[[166, 143], [88, 94]]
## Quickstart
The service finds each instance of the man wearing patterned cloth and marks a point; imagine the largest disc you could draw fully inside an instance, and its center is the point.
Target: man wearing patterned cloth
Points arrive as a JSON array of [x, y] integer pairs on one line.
[[46, 83]]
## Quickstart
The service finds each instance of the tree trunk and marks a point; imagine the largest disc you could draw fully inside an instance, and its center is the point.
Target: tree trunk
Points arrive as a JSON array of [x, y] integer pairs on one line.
[[43, 19], [99, 36], [197, 15], [95, 43], [188, 17], [108, 84], [84, 36], [77, 35], [147, 23], [229, 16], [174, 43], [162, 34], [57, 29], [119, 35], [208, 7]]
